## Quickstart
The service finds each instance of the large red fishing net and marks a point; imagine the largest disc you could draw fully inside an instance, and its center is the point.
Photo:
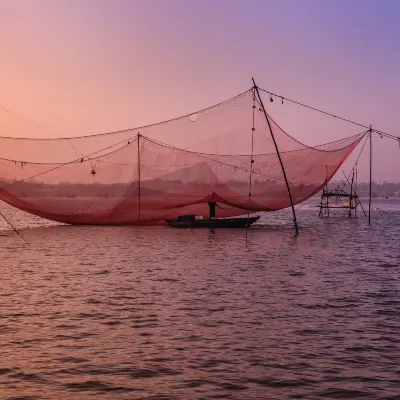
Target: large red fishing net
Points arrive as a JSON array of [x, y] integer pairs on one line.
[[224, 154]]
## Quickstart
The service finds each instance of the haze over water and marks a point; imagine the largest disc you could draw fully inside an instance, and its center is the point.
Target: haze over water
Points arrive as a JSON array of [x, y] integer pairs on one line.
[[158, 313]]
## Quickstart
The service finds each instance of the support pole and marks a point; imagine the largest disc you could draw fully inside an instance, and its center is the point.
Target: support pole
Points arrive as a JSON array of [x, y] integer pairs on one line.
[[355, 189], [320, 204], [252, 152], [351, 194], [279, 157], [138, 161], [370, 174], [327, 197]]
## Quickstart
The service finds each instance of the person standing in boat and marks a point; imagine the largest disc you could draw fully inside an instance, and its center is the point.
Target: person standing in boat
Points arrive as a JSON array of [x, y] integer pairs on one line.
[[212, 205]]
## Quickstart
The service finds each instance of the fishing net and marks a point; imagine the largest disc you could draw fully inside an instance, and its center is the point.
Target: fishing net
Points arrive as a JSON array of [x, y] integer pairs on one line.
[[224, 153]]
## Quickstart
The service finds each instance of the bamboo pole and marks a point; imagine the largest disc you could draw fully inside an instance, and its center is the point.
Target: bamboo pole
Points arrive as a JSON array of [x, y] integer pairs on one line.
[[279, 157], [370, 174], [138, 161]]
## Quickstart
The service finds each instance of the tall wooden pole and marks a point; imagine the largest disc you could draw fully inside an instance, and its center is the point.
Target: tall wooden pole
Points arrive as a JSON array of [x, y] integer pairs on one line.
[[279, 157], [351, 194], [370, 174], [355, 189], [138, 161]]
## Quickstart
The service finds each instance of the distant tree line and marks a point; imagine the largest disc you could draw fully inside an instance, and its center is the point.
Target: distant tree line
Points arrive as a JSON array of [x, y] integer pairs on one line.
[[385, 189]]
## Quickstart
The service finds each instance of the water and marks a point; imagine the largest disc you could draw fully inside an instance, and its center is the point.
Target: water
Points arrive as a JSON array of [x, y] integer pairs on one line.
[[158, 313]]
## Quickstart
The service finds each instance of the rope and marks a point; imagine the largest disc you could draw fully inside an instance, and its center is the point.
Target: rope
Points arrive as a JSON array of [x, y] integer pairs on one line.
[[39, 126], [382, 133], [359, 155], [129, 129], [204, 156], [14, 229], [252, 150], [68, 163]]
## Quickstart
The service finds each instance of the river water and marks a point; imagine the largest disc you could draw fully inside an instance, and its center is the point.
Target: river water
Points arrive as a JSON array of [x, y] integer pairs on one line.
[[160, 313]]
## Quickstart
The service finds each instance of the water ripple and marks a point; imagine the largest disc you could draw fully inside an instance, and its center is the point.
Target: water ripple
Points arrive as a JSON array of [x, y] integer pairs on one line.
[[155, 313]]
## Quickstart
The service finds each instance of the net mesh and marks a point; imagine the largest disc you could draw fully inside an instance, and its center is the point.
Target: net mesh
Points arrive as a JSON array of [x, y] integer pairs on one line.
[[157, 172]]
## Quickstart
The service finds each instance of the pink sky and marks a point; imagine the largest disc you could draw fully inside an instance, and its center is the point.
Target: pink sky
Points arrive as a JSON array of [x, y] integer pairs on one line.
[[90, 66]]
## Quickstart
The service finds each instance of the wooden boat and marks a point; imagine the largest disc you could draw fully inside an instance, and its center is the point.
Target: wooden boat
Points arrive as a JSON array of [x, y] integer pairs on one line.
[[190, 222]]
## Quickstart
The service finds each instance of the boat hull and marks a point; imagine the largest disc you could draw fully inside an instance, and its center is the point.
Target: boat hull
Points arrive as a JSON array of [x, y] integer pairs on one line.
[[213, 223]]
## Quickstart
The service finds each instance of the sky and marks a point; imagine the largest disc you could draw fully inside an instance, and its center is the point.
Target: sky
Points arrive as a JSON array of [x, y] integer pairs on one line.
[[79, 67]]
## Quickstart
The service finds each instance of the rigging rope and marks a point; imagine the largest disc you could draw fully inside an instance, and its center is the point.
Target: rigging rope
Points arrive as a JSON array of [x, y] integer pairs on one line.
[[14, 229], [38, 126], [68, 163], [381, 133], [252, 147], [123, 130]]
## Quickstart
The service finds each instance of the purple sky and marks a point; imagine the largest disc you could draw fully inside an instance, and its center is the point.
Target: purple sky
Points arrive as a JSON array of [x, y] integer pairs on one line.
[[88, 66]]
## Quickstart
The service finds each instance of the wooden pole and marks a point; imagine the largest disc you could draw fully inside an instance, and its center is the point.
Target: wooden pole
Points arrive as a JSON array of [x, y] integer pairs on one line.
[[370, 174], [351, 194], [279, 157], [355, 189], [327, 198], [138, 161], [252, 151]]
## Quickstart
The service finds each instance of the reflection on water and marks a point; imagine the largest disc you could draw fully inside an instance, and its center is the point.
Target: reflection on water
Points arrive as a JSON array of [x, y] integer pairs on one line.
[[158, 313]]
